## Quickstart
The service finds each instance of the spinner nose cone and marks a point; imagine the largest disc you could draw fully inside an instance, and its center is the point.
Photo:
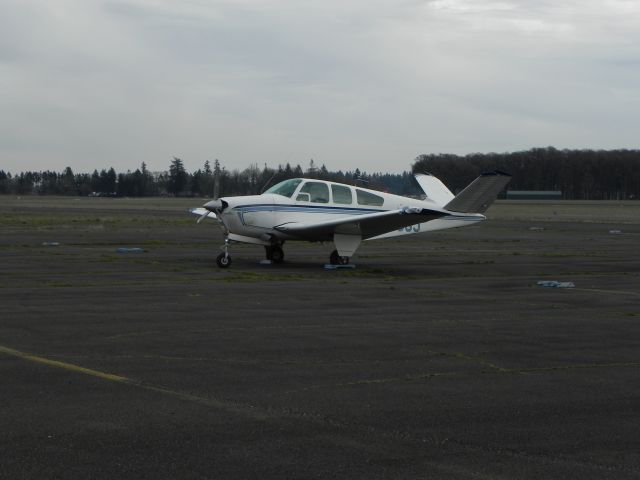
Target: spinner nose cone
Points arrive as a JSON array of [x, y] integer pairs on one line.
[[216, 205]]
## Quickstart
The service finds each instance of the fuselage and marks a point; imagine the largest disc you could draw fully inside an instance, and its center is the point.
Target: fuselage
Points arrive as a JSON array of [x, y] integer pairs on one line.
[[302, 200]]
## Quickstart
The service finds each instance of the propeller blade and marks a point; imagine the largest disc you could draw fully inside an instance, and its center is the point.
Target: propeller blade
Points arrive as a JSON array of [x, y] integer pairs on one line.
[[203, 216], [202, 213]]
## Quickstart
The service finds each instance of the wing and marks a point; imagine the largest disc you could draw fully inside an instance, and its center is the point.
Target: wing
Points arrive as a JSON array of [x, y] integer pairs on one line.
[[366, 226]]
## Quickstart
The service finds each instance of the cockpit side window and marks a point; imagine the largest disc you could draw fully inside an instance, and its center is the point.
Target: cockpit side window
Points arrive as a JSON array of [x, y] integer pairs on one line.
[[341, 194], [285, 188], [314, 192], [366, 198]]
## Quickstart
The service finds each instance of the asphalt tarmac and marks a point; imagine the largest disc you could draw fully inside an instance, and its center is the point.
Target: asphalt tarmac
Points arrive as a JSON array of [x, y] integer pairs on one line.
[[438, 356]]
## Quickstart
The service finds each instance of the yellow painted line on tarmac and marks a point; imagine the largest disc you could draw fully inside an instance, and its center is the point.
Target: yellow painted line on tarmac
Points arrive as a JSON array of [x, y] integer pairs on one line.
[[63, 365], [241, 409]]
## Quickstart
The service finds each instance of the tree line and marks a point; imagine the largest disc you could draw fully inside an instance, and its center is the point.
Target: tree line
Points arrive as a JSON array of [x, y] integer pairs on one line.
[[208, 181], [578, 174]]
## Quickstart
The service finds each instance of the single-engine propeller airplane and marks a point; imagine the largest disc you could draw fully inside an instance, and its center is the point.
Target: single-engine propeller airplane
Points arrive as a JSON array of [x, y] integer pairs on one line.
[[322, 211]]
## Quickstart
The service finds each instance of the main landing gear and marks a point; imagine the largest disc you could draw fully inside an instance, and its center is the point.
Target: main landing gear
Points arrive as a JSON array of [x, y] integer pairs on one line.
[[336, 259], [274, 253]]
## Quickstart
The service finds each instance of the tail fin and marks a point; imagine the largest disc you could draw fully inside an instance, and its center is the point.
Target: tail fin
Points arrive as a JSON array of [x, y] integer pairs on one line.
[[480, 193], [434, 188]]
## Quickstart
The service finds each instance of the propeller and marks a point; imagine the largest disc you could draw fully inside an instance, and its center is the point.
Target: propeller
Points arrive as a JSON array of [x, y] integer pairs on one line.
[[215, 206]]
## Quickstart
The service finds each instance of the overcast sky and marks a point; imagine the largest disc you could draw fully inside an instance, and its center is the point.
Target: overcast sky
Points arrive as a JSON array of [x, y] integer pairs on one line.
[[359, 83]]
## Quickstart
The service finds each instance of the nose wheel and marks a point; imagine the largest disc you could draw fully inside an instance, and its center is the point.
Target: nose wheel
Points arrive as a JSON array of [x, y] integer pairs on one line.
[[336, 259], [223, 260]]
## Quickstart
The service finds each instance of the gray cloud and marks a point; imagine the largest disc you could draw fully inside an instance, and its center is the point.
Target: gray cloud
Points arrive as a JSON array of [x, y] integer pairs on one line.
[[370, 85]]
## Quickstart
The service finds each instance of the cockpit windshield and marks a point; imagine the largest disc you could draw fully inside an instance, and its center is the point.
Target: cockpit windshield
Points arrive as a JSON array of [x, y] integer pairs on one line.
[[285, 188]]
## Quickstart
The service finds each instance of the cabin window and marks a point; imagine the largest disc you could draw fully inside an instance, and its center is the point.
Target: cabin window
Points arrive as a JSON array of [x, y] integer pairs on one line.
[[314, 192], [285, 188], [366, 198], [341, 194]]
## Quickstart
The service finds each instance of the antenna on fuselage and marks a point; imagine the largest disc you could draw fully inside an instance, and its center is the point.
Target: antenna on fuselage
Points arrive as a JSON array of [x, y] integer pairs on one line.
[[216, 185], [268, 182]]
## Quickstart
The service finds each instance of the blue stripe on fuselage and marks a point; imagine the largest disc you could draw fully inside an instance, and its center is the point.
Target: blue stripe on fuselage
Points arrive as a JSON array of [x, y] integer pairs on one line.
[[305, 208]]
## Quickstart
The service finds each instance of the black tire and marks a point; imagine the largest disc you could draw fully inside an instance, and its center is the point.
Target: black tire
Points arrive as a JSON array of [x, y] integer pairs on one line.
[[223, 260], [336, 259], [277, 255], [268, 251]]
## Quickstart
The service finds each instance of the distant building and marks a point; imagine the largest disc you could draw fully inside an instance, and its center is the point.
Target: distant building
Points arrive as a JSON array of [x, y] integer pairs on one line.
[[534, 195]]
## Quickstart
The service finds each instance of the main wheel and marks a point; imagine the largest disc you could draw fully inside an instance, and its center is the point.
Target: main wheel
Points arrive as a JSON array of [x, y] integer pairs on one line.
[[223, 260], [277, 254], [336, 259]]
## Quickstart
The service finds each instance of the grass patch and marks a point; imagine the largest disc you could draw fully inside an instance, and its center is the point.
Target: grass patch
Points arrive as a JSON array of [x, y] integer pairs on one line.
[[58, 284], [73, 220], [374, 272], [260, 277]]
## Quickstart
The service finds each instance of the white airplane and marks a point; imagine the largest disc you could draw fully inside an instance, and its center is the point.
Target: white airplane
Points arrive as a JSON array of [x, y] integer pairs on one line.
[[321, 211]]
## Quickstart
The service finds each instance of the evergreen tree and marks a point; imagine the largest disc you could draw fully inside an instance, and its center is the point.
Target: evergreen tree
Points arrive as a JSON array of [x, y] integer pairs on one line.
[[68, 184], [110, 182], [4, 182], [177, 177], [95, 181]]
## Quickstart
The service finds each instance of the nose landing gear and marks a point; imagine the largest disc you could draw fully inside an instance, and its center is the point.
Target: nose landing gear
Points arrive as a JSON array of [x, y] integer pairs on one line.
[[224, 259]]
